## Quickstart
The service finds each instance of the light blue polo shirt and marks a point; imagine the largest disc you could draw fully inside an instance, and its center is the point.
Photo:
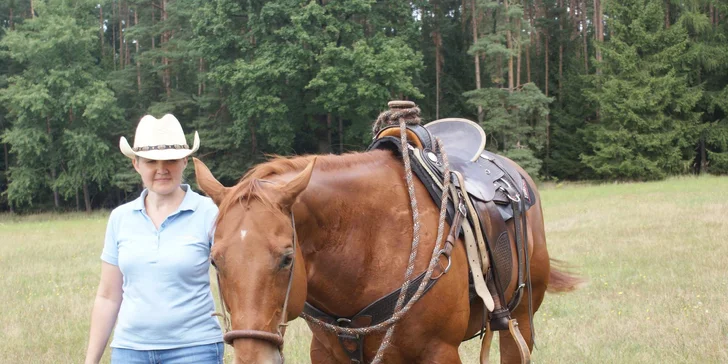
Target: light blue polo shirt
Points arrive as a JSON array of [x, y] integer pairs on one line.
[[167, 301]]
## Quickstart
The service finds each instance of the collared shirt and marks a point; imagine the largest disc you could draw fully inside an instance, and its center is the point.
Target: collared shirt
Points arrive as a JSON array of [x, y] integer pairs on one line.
[[166, 301]]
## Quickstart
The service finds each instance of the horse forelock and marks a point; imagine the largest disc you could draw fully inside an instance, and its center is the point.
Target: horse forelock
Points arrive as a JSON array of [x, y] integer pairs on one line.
[[249, 187]]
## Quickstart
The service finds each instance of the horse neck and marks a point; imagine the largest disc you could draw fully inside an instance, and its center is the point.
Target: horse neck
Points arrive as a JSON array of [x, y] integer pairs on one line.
[[346, 221]]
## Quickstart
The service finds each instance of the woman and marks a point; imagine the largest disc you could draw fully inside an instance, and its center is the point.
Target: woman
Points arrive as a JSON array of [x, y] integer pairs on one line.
[[154, 272]]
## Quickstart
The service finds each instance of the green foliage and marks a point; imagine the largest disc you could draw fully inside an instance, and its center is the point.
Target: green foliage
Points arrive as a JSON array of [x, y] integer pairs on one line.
[[291, 77], [60, 111], [514, 120], [647, 125]]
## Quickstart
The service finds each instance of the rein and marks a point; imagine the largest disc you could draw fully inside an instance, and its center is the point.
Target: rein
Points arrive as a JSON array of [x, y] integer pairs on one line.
[[274, 338]]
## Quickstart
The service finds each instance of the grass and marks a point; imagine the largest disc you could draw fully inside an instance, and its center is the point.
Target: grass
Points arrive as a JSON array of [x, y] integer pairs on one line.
[[654, 255]]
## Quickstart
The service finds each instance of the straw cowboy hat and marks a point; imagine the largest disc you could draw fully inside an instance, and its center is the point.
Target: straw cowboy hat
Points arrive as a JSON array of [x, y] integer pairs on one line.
[[159, 139]]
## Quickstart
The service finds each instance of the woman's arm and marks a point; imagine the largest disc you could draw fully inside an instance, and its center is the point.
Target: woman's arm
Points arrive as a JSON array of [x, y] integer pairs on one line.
[[105, 311]]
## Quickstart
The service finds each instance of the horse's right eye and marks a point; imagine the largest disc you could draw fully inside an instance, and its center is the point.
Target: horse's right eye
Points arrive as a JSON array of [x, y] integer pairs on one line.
[[286, 261]]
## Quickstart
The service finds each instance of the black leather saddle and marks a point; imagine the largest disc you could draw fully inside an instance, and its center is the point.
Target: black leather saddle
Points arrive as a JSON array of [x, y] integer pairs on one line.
[[488, 176]]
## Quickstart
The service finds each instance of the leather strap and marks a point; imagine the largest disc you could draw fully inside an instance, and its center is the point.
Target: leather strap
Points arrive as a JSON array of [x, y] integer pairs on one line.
[[475, 260], [376, 313], [520, 253], [523, 350]]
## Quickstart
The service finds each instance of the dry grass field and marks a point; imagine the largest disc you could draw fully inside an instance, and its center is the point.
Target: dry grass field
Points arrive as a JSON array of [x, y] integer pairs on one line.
[[655, 255]]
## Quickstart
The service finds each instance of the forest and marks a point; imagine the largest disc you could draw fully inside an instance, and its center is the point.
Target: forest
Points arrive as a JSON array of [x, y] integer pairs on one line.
[[593, 90]]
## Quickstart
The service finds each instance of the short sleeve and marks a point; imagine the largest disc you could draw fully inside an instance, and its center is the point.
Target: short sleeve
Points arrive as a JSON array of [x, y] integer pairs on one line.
[[110, 254]]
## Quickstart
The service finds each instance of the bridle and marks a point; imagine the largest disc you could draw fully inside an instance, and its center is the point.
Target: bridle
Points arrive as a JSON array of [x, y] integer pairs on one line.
[[275, 338]]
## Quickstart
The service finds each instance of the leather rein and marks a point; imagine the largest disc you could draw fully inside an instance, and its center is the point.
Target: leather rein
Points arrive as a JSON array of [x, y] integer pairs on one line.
[[274, 338]]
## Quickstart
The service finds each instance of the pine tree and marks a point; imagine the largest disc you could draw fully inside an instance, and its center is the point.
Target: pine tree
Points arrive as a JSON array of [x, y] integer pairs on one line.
[[647, 123]]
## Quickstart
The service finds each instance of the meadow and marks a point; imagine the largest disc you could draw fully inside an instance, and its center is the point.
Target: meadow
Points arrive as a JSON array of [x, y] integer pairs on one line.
[[654, 255]]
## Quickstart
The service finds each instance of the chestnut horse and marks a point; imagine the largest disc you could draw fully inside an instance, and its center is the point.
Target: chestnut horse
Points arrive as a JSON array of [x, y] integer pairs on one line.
[[335, 231]]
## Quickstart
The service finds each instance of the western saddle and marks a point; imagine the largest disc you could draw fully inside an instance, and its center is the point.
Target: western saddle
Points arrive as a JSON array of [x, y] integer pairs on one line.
[[494, 192]]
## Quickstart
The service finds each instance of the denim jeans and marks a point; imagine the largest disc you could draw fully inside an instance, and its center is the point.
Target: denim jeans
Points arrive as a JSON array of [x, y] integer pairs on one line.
[[203, 354]]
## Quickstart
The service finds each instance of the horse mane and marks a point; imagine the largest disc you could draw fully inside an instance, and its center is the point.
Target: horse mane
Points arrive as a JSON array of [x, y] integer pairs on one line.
[[249, 186]]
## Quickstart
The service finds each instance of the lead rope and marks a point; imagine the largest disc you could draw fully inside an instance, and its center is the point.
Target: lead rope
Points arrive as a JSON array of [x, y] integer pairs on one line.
[[284, 314], [399, 313], [416, 232], [226, 320]]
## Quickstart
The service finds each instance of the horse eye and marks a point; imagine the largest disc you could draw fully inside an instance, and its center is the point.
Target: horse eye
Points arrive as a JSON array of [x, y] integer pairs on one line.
[[286, 261]]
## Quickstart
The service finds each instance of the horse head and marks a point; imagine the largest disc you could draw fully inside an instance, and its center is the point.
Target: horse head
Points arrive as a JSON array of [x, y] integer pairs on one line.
[[260, 266]]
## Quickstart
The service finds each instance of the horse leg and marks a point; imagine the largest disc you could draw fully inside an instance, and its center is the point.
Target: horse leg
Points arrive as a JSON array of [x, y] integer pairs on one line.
[[320, 353], [443, 353]]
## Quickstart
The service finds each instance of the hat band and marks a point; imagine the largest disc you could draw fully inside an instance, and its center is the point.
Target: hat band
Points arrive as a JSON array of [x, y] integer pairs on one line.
[[160, 147]]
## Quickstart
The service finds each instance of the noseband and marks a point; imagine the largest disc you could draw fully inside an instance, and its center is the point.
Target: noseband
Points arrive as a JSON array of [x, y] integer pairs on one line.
[[274, 338]]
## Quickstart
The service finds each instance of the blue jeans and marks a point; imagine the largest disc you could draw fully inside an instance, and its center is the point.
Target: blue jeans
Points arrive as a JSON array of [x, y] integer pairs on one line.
[[203, 354]]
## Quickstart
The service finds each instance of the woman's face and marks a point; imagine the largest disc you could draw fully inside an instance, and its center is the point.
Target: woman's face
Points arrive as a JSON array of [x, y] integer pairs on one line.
[[160, 177]]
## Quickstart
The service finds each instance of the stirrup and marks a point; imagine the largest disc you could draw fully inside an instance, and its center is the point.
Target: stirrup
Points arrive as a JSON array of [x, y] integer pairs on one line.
[[485, 345], [523, 349]]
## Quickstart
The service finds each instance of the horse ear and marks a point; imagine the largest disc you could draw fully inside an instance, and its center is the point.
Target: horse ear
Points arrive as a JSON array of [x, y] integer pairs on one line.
[[207, 182], [294, 187]]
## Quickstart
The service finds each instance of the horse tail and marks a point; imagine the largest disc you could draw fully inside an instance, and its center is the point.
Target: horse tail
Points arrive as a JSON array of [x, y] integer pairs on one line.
[[561, 280]]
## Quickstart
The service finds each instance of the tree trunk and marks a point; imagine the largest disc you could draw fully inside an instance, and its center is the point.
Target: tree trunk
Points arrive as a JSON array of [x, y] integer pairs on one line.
[[341, 135], [165, 38], [86, 197], [10, 19], [138, 58], [703, 156], [509, 44], [328, 133], [121, 38], [546, 92], [438, 69], [667, 14], [101, 28], [598, 30], [201, 84], [537, 34], [463, 18], [78, 201], [32, 10], [7, 160], [530, 44], [476, 56], [56, 198], [7, 163], [128, 22], [518, 62], [113, 33], [154, 19], [546, 62], [600, 39], [528, 63], [561, 49], [574, 19], [437, 40], [584, 37]]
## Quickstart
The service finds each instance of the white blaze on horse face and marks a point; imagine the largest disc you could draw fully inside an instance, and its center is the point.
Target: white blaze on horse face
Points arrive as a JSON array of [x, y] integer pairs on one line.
[[243, 233]]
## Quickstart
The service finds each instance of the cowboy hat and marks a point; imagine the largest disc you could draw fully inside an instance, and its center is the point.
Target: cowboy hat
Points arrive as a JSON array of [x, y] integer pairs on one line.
[[159, 139]]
